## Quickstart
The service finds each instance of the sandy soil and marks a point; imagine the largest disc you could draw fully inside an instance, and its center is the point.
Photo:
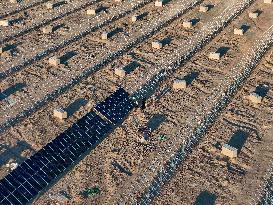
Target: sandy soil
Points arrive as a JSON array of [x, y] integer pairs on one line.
[[124, 145]]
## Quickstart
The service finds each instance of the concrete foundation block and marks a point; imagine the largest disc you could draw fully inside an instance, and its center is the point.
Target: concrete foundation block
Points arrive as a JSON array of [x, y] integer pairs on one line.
[[187, 24], [253, 15], [203, 8], [157, 45], [91, 11], [4, 23], [159, 3], [54, 61], [120, 72], [104, 36], [268, 1], [47, 29], [239, 31], [49, 5], [229, 151], [179, 84], [135, 18], [214, 56], [60, 113], [255, 98]]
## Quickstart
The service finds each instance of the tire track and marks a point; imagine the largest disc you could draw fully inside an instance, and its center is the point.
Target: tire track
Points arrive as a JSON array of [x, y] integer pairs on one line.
[[72, 9], [33, 101]]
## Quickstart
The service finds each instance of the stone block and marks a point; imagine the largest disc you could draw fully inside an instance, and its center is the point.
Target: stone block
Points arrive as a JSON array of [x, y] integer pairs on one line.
[[159, 3], [268, 1], [203, 8], [92, 11], [120, 72], [229, 151], [239, 31], [253, 15], [4, 23], [157, 45], [187, 24], [47, 29], [60, 113], [104, 36], [255, 98], [179, 84], [54, 61], [135, 18], [214, 55], [49, 5]]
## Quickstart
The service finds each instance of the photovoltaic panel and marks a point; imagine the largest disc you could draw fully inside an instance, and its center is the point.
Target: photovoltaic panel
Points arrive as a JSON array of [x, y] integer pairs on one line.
[[37, 172], [116, 106]]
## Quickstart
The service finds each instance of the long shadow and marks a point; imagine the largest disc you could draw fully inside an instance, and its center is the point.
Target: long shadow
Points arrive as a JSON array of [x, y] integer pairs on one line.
[[11, 90], [17, 20], [210, 6], [245, 27], [75, 106], [205, 198], [55, 28], [11, 46], [134, 56], [67, 56], [238, 139], [235, 169], [143, 15], [162, 93], [259, 11], [195, 21], [156, 121], [58, 4], [189, 78], [166, 41], [222, 50], [14, 152], [121, 168], [262, 90], [102, 8], [131, 67], [245, 127], [115, 31]]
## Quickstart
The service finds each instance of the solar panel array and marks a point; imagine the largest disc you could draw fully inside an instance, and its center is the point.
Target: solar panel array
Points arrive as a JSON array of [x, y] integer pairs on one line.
[[25, 182], [116, 106]]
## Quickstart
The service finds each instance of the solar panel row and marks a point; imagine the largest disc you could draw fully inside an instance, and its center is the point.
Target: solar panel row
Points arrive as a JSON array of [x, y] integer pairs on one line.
[[33, 175], [115, 107]]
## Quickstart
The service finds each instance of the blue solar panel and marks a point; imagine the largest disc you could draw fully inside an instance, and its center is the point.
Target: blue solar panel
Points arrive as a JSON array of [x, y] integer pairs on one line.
[[20, 196], [30, 188], [34, 174], [115, 107], [7, 185], [13, 200], [2, 196], [25, 192], [12, 180], [3, 189], [5, 202]]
